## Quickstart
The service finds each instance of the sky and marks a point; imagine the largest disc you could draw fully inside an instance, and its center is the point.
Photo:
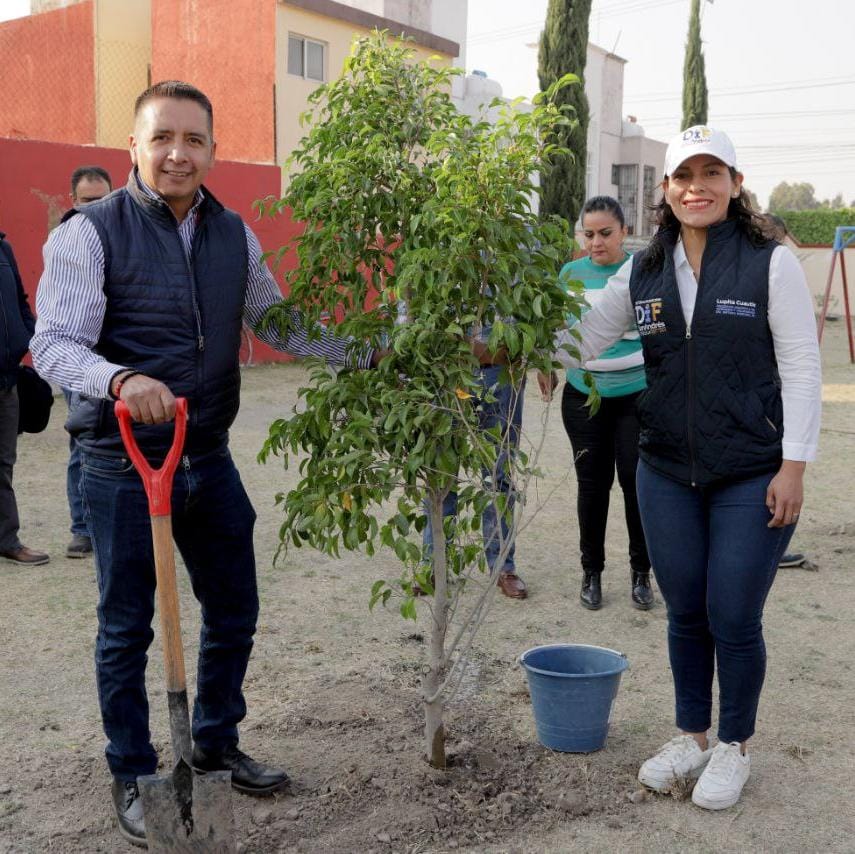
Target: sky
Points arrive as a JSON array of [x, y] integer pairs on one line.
[[14, 9], [780, 73]]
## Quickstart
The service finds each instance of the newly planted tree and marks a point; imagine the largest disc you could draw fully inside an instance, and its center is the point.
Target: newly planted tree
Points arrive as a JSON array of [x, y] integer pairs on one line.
[[419, 240]]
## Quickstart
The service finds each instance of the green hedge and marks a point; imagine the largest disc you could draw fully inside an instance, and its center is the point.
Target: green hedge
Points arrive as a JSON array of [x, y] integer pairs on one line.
[[817, 226]]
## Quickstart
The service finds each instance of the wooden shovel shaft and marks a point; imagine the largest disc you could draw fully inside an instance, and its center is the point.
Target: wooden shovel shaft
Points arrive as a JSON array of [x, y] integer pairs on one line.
[[167, 603], [170, 629]]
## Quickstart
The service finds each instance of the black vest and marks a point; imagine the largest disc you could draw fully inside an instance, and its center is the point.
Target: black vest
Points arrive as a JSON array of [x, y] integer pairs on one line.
[[16, 328], [712, 408], [176, 321]]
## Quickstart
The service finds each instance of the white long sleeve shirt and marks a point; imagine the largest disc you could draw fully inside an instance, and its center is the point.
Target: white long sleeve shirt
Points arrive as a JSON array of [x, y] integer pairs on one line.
[[791, 322]]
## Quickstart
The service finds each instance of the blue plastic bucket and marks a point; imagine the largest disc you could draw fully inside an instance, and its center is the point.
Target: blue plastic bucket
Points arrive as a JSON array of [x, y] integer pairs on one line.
[[573, 687]]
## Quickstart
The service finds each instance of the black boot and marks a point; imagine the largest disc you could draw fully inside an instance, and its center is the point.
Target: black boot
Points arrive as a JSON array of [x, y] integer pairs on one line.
[[642, 595], [591, 595], [248, 776], [129, 811]]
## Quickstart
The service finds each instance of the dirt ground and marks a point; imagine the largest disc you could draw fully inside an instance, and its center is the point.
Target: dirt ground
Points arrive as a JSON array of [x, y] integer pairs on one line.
[[332, 689]]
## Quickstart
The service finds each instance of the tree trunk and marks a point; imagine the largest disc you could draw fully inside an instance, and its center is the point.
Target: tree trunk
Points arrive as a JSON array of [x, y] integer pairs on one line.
[[433, 700]]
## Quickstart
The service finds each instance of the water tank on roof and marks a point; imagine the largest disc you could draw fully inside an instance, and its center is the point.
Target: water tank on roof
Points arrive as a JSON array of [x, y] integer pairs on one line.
[[479, 85], [39, 6], [630, 127]]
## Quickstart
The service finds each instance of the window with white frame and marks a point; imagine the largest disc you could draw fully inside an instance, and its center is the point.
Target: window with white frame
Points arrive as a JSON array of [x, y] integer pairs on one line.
[[306, 58], [625, 175]]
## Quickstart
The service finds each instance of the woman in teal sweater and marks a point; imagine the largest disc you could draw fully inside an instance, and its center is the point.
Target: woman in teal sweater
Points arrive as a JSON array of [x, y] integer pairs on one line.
[[607, 441]]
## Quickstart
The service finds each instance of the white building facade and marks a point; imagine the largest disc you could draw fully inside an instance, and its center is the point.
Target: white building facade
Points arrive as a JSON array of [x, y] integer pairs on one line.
[[622, 161], [444, 18]]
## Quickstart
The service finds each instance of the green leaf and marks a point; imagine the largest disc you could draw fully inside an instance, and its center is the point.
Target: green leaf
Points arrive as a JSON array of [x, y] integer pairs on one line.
[[398, 196], [408, 608]]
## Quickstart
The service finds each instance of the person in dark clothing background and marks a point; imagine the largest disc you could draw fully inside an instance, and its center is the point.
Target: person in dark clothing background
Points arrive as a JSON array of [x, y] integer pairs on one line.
[[607, 441], [16, 330], [88, 184]]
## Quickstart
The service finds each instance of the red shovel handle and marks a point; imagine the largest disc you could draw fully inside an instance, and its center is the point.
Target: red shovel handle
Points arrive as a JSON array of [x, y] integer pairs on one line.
[[157, 482]]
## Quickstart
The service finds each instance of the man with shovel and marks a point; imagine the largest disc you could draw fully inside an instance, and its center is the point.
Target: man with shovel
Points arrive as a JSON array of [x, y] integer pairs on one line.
[[141, 300]]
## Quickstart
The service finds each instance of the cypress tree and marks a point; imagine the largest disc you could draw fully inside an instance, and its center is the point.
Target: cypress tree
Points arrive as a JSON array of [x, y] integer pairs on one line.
[[695, 104], [563, 50]]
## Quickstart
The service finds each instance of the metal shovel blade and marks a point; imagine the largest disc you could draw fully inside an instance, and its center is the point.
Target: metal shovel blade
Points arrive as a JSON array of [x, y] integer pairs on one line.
[[186, 813]]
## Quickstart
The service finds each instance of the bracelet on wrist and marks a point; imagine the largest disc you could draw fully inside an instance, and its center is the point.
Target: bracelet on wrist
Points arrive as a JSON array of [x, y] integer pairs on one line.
[[116, 392]]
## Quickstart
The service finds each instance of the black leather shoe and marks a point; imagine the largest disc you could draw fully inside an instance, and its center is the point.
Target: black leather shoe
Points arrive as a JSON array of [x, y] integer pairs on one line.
[[248, 776], [642, 595], [80, 546], [129, 811], [592, 595]]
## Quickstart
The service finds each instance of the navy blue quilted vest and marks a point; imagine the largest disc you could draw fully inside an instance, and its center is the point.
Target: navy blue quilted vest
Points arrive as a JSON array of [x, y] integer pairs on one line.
[[712, 410], [176, 321]]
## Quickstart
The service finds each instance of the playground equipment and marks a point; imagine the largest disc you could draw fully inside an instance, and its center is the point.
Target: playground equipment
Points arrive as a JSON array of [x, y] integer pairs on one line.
[[844, 236]]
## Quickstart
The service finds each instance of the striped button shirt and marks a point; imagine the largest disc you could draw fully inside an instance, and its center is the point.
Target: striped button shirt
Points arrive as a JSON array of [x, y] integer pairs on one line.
[[71, 305]]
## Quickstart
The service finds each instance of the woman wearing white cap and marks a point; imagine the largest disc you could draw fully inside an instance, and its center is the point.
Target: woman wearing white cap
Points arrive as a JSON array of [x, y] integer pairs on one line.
[[729, 419]]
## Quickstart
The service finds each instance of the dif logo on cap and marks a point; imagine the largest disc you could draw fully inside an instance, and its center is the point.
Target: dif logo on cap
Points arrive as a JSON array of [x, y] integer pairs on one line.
[[697, 134], [699, 139]]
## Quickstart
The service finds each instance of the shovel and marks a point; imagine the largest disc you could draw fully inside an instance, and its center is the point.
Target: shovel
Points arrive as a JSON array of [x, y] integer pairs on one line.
[[183, 812]]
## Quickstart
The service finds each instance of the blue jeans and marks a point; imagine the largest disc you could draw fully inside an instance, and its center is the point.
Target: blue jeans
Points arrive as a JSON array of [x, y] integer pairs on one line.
[[506, 412], [72, 483], [212, 525], [715, 560]]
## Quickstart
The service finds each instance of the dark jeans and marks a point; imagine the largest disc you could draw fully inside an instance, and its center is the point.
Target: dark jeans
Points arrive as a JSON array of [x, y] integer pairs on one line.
[[212, 524], [72, 483], [506, 412], [9, 523], [715, 560], [601, 443]]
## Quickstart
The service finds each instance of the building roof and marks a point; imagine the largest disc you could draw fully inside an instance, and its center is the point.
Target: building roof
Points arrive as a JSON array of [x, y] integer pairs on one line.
[[342, 12], [602, 50]]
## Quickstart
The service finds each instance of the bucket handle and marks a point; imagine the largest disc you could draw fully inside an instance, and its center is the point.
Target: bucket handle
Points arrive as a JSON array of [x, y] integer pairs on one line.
[[617, 652]]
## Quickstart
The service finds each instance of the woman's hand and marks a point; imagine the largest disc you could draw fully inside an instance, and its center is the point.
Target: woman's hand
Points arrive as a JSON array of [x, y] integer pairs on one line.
[[547, 384], [785, 494]]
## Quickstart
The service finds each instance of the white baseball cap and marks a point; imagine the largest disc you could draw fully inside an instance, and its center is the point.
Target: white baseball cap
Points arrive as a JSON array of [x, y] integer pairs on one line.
[[699, 139]]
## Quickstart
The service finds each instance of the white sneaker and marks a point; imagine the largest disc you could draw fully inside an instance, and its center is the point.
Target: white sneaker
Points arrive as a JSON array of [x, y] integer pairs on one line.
[[726, 773], [680, 757]]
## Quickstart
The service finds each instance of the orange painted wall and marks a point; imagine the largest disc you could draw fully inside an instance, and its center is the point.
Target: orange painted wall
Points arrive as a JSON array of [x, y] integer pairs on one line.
[[34, 191], [229, 52], [47, 76]]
